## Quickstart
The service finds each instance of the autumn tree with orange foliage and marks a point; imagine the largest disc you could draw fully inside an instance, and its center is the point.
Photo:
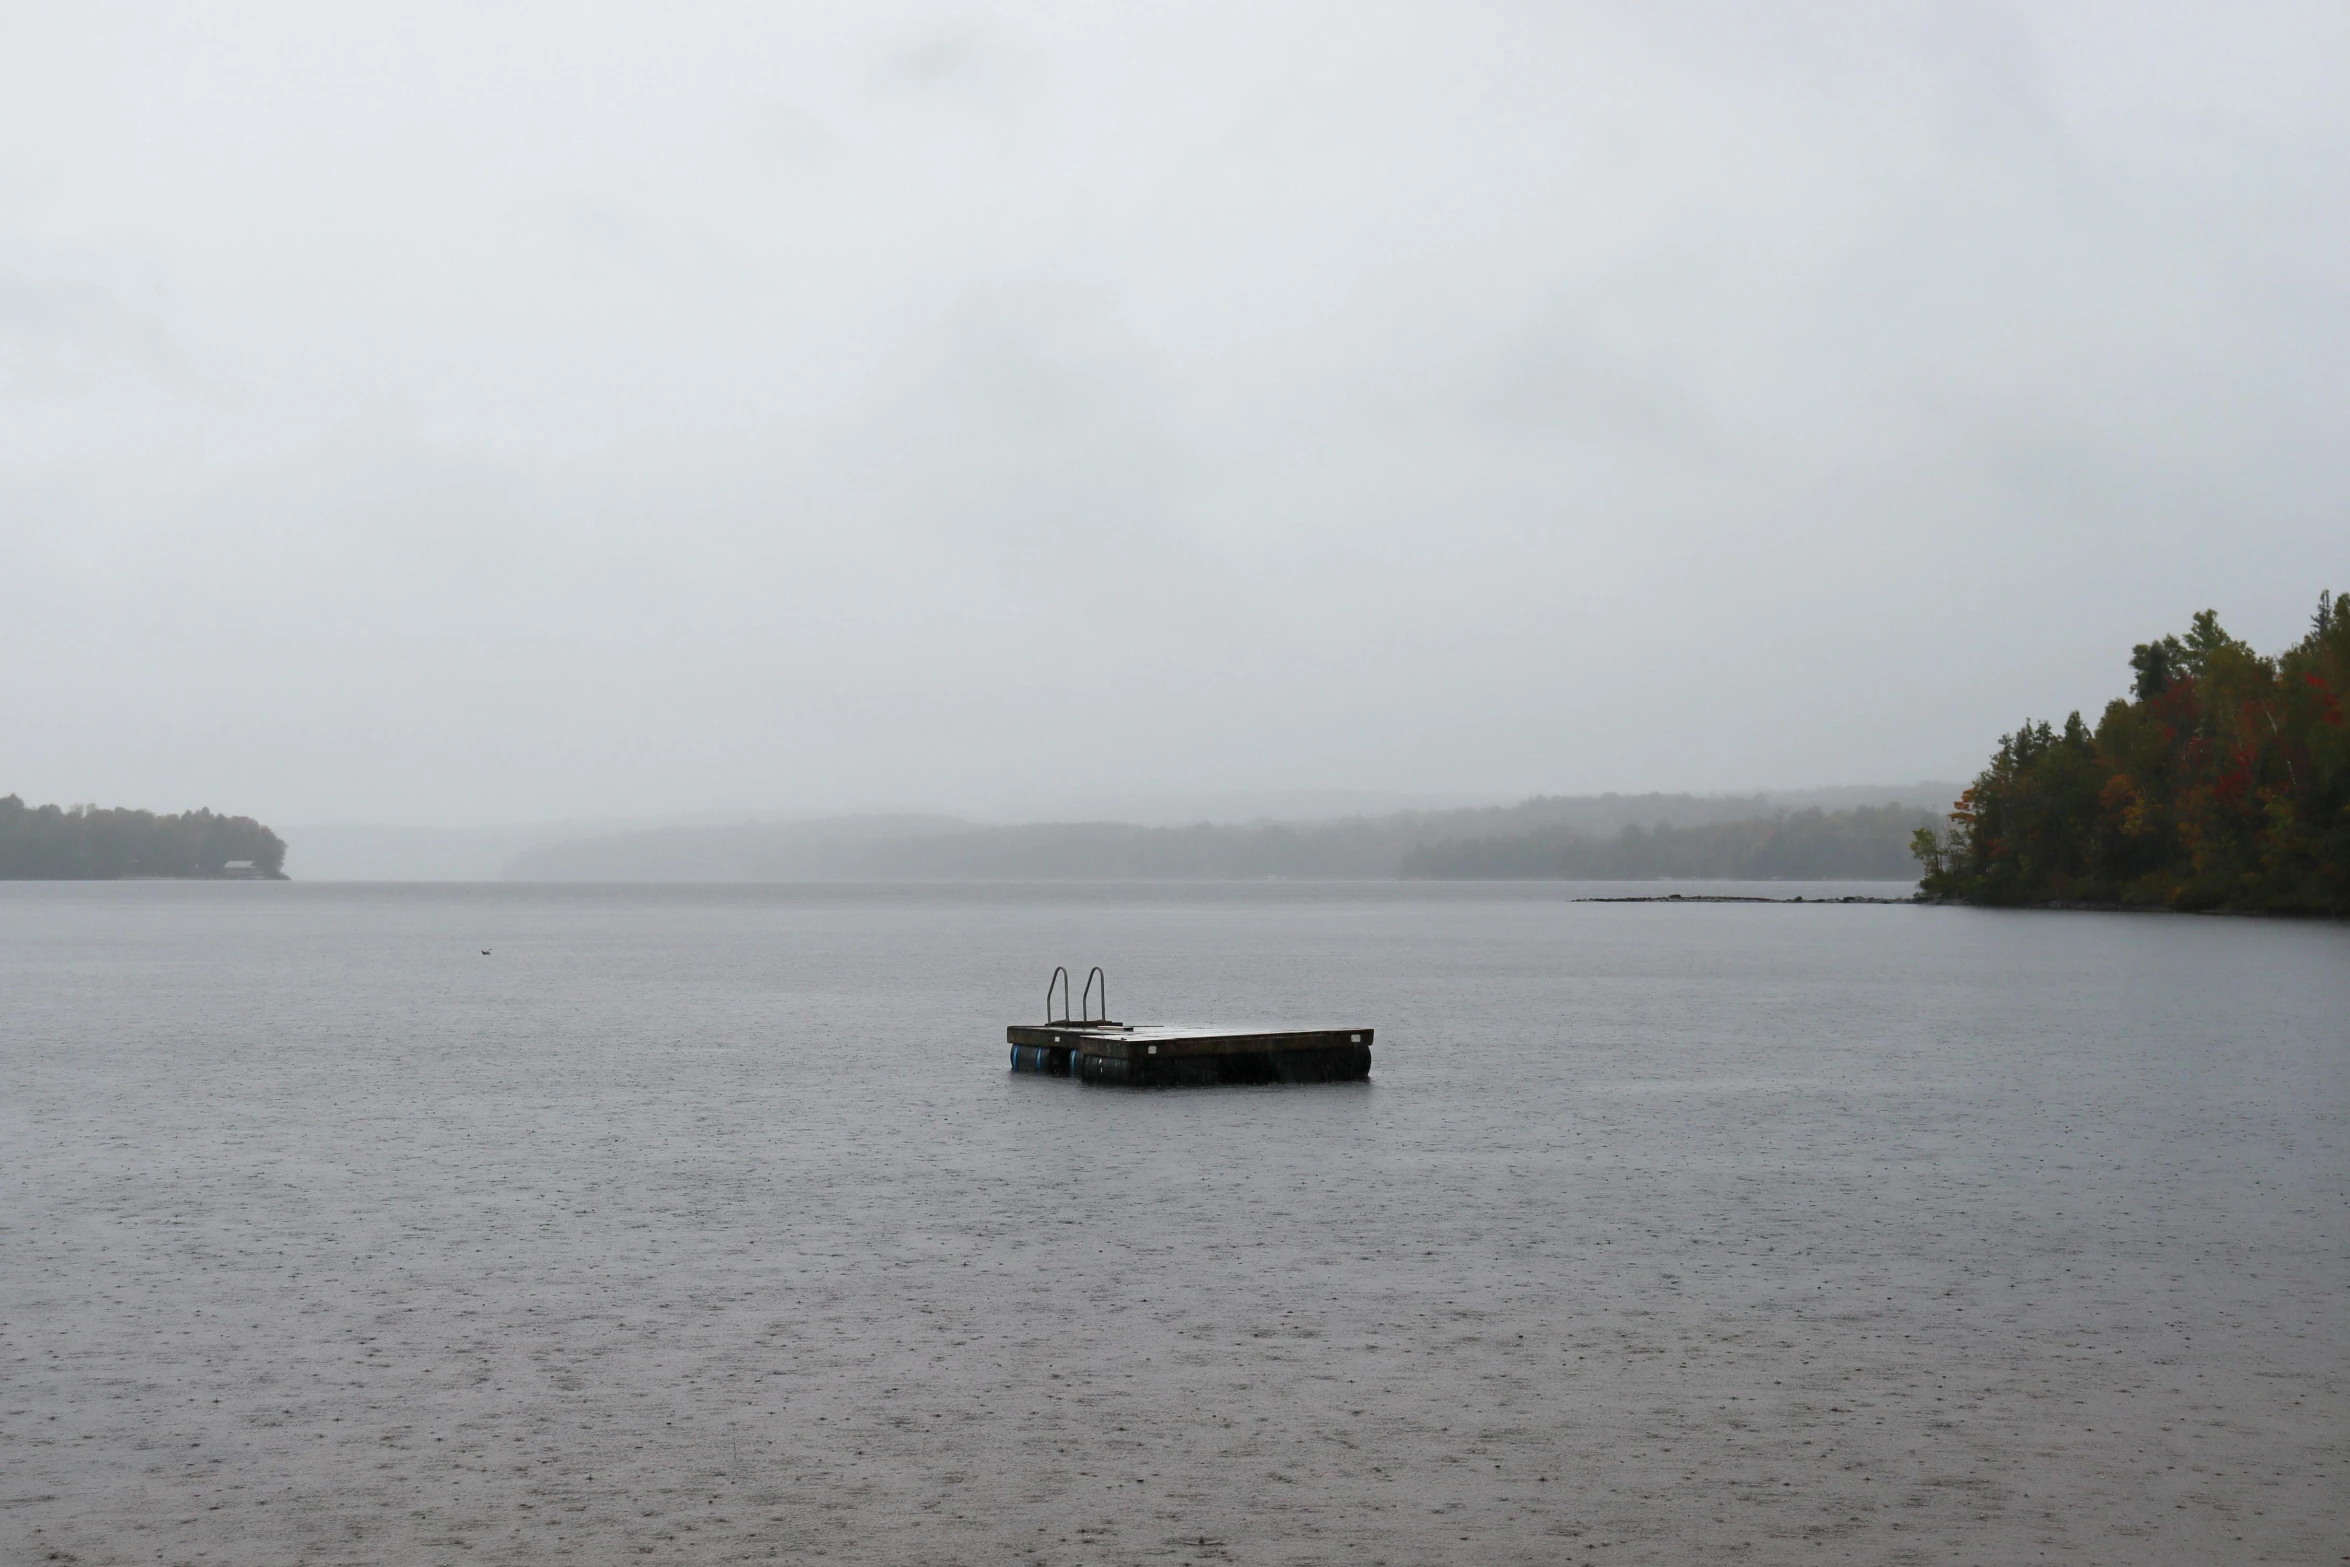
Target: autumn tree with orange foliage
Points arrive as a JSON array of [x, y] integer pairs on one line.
[[2223, 782]]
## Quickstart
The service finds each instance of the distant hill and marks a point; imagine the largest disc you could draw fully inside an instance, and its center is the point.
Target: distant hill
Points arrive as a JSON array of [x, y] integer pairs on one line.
[[831, 849], [88, 843], [374, 852], [1867, 843], [1155, 808], [1608, 835]]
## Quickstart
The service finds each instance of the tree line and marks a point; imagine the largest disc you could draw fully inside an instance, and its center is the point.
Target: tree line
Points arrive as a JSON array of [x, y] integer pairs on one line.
[[2221, 782], [87, 843], [1867, 843], [1604, 837]]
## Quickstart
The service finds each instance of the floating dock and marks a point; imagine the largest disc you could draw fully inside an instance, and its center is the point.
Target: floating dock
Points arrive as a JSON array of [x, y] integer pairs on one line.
[[1150, 1055]]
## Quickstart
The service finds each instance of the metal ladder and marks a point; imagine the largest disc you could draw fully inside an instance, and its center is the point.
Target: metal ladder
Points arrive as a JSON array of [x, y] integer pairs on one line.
[[1097, 980]]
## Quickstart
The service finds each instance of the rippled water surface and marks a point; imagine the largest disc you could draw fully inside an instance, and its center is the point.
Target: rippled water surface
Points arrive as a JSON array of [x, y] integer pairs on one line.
[[706, 1225]]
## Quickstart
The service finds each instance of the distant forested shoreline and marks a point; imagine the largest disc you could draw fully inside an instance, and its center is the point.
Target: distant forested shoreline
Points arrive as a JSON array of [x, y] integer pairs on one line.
[[1869, 843], [87, 843], [1591, 837], [2221, 782]]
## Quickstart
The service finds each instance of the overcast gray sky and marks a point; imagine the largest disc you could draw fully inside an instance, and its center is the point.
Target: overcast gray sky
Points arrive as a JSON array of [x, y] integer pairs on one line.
[[469, 412]]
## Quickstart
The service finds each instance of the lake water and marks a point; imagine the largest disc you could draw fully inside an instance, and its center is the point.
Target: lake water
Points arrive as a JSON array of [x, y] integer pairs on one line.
[[705, 1224]]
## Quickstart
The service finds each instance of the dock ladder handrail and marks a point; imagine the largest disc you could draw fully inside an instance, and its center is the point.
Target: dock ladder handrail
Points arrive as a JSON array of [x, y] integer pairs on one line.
[[1087, 1003], [1060, 979]]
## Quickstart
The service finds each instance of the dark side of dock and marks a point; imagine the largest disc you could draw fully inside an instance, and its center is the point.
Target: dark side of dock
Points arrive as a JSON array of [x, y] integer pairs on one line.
[[1146, 1056]]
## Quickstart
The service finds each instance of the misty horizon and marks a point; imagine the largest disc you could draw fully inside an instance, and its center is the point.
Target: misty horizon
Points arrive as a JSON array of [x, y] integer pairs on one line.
[[1369, 833], [1216, 807]]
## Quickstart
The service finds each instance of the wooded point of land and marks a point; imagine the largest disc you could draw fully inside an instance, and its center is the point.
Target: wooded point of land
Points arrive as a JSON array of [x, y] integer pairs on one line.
[[87, 843], [2221, 782]]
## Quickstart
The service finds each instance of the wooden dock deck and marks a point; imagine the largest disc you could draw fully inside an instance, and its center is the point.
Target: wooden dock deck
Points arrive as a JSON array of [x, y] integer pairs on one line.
[[1141, 1055], [1152, 1055]]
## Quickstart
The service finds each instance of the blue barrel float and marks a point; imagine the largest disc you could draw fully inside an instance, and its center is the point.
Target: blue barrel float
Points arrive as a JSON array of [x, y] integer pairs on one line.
[[1043, 1060]]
